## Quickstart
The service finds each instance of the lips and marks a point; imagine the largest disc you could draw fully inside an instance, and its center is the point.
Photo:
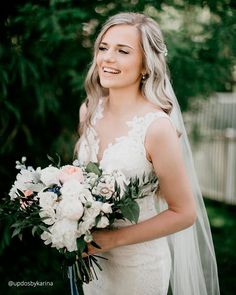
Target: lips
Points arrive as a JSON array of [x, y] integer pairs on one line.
[[110, 70]]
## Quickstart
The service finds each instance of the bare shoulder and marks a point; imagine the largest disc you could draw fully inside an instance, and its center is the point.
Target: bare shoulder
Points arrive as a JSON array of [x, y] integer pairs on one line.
[[82, 112], [161, 135], [162, 127]]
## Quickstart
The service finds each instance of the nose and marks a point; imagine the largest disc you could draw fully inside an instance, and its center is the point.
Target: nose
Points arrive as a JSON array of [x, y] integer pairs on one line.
[[109, 56]]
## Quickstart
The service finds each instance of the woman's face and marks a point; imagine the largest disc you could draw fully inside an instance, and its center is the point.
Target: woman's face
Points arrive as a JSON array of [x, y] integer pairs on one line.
[[119, 58]]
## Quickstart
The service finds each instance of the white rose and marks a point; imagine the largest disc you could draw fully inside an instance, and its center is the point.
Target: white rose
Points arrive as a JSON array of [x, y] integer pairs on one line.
[[71, 209], [103, 222], [106, 208], [47, 199], [105, 187], [49, 175]]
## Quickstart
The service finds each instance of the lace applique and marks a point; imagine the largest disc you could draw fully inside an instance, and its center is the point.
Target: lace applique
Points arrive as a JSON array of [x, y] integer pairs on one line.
[[98, 114], [124, 149], [90, 144]]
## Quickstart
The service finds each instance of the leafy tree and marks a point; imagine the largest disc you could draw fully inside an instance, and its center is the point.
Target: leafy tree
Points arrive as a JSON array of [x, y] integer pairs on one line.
[[45, 51]]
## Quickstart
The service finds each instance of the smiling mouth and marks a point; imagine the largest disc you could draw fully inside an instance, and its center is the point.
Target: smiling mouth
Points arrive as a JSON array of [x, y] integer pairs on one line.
[[110, 70]]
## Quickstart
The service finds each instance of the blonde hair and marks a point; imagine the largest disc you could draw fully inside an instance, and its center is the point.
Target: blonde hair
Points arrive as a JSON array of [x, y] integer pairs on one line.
[[154, 50]]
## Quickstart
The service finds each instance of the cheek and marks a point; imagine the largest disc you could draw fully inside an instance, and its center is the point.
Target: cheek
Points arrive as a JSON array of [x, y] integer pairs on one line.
[[98, 60], [133, 66]]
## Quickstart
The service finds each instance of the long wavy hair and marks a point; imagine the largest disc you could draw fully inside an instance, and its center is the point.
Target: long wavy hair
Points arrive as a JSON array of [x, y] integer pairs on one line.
[[153, 50]]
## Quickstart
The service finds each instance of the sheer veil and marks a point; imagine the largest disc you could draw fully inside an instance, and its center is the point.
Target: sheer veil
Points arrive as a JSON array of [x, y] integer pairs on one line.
[[194, 268]]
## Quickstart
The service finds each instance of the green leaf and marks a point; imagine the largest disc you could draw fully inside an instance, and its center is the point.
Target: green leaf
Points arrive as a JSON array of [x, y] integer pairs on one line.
[[16, 232], [93, 168], [95, 245], [58, 163], [34, 229], [81, 245], [131, 211], [20, 193], [44, 228]]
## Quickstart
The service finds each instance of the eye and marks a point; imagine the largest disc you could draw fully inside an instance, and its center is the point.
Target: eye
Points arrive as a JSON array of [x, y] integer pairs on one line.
[[123, 51], [102, 48]]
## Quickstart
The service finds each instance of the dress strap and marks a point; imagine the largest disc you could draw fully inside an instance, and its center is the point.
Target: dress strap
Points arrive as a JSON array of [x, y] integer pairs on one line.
[[156, 116], [139, 125]]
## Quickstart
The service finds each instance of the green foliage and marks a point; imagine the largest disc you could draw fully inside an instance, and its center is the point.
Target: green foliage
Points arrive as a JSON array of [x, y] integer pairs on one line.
[[223, 223], [45, 51], [93, 168]]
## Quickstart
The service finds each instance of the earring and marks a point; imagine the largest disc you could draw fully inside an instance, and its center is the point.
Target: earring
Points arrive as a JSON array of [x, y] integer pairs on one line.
[[143, 77]]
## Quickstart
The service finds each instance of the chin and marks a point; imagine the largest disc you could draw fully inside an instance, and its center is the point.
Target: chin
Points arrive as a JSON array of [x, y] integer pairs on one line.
[[110, 84]]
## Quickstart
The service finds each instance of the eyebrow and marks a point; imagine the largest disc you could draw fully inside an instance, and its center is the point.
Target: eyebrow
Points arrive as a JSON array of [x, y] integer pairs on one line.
[[118, 45]]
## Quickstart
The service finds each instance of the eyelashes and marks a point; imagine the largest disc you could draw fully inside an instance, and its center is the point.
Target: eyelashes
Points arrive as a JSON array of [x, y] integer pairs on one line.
[[122, 51]]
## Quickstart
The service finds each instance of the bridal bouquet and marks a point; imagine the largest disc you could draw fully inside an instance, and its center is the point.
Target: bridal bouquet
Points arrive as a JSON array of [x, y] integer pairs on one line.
[[65, 204]]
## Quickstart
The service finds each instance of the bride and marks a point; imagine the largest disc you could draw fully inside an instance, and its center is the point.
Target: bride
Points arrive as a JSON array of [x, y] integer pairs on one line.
[[131, 121]]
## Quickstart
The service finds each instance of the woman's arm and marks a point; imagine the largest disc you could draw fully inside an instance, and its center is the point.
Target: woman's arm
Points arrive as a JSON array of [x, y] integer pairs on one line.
[[163, 149], [82, 112]]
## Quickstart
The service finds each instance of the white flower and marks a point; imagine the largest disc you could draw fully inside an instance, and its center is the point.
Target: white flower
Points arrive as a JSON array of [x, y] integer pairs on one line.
[[76, 163], [85, 196], [50, 214], [23, 159], [73, 189], [91, 178], [71, 209], [69, 172], [85, 226], [106, 208], [46, 236], [47, 199], [120, 179], [93, 211], [49, 175], [106, 184], [64, 234], [105, 187], [88, 237], [26, 179], [89, 217], [103, 222]]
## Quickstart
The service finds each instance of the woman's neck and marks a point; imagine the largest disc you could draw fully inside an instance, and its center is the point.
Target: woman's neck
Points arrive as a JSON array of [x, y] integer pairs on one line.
[[123, 101]]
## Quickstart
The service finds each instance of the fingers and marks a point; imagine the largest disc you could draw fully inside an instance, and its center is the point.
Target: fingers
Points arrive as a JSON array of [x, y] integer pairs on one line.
[[90, 250]]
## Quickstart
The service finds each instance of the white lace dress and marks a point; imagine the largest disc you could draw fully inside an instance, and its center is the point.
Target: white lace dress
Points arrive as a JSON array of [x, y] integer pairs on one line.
[[138, 269]]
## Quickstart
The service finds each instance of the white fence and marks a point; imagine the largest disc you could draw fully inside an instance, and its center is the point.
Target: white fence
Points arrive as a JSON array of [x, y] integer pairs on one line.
[[213, 139]]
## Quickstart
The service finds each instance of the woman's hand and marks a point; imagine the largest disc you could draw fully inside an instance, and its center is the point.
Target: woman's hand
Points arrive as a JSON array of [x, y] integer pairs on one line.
[[105, 239]]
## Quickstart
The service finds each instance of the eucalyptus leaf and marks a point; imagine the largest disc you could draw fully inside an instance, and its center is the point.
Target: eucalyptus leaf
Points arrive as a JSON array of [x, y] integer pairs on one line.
[[93, 168], [131, 211]]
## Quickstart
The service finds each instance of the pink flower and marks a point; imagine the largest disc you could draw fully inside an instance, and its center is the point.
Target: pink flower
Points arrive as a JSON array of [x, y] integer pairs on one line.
[[69, 172], [26, 203], [28, 192]]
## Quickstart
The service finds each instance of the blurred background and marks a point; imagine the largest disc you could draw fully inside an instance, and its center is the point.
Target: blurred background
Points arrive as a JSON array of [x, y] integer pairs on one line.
[[45, 52]]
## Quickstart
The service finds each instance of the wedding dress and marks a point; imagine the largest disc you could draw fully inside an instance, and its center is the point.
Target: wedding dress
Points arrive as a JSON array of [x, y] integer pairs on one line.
[[138, 269]]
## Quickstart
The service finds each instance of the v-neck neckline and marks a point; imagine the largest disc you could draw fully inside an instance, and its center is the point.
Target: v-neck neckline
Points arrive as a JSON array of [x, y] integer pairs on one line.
[[116, 140]]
